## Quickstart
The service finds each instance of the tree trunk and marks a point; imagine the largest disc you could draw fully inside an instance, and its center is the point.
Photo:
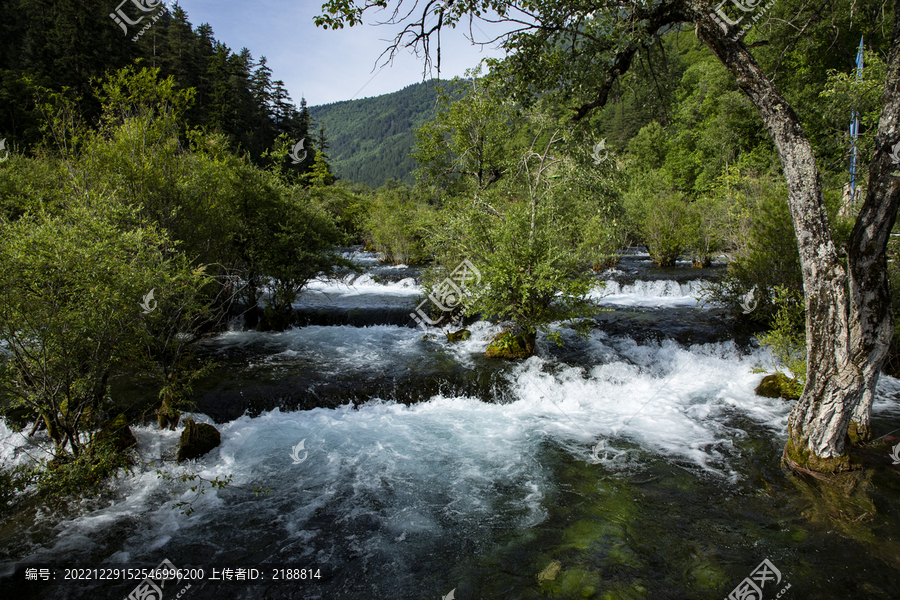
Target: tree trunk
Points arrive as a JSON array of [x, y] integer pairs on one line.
[[873, 324], [848, 311]]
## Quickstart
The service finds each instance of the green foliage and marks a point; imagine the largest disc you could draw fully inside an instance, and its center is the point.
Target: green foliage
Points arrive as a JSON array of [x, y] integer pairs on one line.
[[236, 95], [14, 482], [348, 204], [523, 234], [293, 241], [665, 220], [27, 185], [69, 311], [397, 224], [67, 478], [468, 141], [842, 96], [111, 214], [320, 176], [786, 339]]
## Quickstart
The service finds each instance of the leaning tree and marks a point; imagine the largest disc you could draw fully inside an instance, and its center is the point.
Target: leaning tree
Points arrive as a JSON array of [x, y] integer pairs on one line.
[[585, 46]]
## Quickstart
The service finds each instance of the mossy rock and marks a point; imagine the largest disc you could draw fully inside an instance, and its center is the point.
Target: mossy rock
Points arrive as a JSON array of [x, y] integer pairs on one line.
[[709, 576], [197, 439], [511, 345], [550, 573], [572, 583], [168, 415], [459, 336], [117, 433], [776, 385]]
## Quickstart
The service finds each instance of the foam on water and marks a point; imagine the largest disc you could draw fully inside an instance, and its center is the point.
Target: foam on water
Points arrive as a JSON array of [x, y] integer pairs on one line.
[[361, 290], [655, 294], [385, 483]]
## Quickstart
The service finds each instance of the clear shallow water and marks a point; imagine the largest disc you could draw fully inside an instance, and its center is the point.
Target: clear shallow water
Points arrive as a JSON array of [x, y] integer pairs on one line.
[[482, 492]]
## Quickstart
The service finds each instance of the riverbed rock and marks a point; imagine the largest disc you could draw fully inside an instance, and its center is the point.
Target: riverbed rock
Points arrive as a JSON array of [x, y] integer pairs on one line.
[[197, 439], [459, 336], [775, 386], [550, 572]]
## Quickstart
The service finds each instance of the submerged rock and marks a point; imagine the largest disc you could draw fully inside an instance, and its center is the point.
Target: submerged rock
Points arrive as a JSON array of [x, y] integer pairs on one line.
[[550, 572], [197, 439]]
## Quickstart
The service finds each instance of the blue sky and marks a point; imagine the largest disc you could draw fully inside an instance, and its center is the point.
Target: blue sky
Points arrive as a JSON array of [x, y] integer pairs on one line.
[[327, 66]]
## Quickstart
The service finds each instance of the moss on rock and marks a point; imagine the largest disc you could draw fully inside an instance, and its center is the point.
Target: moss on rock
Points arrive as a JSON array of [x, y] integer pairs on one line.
[[197, 439], [858, 434], [776, 385], [511, 345], [459, 336], [572, 583]]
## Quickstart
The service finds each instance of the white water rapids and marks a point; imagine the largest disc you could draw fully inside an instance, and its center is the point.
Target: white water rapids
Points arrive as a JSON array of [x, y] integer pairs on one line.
[[383, 488]]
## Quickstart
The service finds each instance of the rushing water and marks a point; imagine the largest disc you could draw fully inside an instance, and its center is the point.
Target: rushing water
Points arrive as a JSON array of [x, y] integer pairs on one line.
[[637, 463]]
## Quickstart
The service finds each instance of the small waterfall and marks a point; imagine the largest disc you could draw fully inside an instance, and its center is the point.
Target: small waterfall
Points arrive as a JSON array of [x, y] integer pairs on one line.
[[660, 288]]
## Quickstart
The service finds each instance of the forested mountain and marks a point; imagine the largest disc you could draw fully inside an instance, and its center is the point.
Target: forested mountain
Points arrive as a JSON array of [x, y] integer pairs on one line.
[[370, 139], [65, 45]]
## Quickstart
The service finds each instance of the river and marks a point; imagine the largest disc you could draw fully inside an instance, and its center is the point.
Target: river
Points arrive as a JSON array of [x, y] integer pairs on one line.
[[636, 463]]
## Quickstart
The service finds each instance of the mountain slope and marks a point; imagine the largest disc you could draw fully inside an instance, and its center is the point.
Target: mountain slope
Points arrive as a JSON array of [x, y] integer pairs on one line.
[[370, 139]]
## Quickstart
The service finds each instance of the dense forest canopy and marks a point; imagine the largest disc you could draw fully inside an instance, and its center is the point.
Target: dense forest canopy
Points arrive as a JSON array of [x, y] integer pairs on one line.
[[371, 138], [65, 46]]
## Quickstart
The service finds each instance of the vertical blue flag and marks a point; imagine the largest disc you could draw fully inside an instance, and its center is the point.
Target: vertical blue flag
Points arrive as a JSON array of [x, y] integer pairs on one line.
[[854, 125]]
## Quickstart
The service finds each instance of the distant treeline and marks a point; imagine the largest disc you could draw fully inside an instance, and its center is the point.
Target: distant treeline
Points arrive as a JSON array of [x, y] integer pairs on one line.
[[371, 139]]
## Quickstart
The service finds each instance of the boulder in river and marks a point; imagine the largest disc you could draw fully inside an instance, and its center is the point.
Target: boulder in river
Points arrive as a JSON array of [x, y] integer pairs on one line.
[[776, 385], [197, 439], [511, 345], [459, 336]]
